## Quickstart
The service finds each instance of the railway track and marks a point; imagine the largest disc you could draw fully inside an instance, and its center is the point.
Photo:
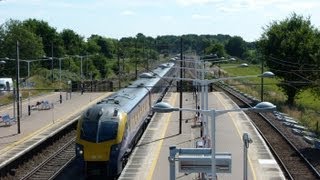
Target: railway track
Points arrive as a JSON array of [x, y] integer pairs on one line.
[[54, 164], [285, 146], [47, 159]]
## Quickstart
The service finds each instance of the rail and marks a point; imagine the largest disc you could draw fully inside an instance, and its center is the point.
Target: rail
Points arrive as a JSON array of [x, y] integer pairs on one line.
[[294, 164]]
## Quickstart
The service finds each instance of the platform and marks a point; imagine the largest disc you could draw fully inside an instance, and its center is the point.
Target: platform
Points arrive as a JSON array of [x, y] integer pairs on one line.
[[41, 124], [150, 159]]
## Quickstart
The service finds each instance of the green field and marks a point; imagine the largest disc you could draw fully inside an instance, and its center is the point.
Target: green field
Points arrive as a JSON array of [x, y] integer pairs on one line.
[[307, 105]]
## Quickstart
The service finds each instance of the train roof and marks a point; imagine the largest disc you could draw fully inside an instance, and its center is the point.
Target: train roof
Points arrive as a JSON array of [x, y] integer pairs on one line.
[[127, 98]]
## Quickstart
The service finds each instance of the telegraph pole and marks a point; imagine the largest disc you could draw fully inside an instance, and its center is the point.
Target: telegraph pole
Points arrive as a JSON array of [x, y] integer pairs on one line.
[[17, 84], [119, 72], [136, 58], [262, 69], [180, 112], [52, 62]]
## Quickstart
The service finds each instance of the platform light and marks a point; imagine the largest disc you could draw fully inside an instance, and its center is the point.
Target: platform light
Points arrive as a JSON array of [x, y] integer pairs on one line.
[[163, 107]]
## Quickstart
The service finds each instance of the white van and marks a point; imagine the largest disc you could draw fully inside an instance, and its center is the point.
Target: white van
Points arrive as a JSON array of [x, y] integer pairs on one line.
[[6, 85]]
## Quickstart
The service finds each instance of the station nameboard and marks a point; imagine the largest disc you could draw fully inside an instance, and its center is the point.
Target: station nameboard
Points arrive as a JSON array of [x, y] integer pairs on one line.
[[195, 163]]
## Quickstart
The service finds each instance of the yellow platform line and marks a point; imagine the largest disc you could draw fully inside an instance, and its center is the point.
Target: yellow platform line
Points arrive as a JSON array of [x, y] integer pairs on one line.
[[158, 149], [27, 137], [239, 133]]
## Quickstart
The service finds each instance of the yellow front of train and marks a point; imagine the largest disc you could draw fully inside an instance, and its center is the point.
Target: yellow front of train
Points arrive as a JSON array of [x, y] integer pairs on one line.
[[100, 133]]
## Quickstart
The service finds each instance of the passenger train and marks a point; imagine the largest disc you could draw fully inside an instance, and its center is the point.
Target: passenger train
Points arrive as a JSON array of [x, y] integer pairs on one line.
[[108, 131]]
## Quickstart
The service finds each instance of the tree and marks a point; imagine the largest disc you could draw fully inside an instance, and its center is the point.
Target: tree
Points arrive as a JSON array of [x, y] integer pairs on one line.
[[92, 46], [217, 49], [51, 41], [316, 57], [288, 47], [73, 43], [100, 63], [236, 46], [49, 35], [107, 45], [30, 45]]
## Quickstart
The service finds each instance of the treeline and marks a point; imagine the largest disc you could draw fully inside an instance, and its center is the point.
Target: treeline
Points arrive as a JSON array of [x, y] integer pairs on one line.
[[290, 48], [101, 57]]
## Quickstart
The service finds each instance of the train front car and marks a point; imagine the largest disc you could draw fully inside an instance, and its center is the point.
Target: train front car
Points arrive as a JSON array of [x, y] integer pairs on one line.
[[108, 131], [99, 138]]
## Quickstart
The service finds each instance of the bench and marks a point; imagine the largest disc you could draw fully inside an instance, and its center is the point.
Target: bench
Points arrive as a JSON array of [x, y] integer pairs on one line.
[[45, 105], [42, 105], [7, 119]]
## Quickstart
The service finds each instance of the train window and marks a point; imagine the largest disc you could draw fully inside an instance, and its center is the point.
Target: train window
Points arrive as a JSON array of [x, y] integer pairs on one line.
[[133, 122], [107, 130], [129, 122], [89, 130], [135, 119]]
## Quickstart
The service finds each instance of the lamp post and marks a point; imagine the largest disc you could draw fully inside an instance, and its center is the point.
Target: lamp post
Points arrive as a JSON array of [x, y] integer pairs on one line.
[[213, 113], [163, 107], [60, 82], [14, 91], [29, 107], [45, 58], [204, 88], [81, 59], [28, 76], [246, 141]]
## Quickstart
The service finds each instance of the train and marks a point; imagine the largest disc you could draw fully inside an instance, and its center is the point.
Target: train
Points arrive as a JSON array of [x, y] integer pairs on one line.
[[108, 131]]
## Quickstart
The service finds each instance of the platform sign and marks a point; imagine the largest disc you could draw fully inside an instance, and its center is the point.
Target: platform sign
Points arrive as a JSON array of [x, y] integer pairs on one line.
[[195, 163]]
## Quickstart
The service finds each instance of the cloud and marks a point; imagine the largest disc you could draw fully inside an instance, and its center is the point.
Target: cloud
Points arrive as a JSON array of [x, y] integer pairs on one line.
[[167, 18], [234, 6], [286, 5], [9, 1], [299, 6], [200, 17], [196, 2], [128, 13]]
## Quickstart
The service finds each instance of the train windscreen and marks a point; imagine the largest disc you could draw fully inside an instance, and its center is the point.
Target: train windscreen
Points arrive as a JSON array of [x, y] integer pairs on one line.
[[99, 131], [89, 130], [107, 130]]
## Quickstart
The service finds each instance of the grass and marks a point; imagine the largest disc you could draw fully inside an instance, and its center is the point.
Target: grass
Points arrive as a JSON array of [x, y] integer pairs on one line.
[[307, 105], [44, 85], [308, 100], [41, 86]]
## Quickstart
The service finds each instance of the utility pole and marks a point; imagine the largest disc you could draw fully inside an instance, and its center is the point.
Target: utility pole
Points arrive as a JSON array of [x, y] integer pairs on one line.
[[262, 67], [180, 112], [143, 52], [81, 73], [136, 58], [17, 84], [119, 72], [52, 62]]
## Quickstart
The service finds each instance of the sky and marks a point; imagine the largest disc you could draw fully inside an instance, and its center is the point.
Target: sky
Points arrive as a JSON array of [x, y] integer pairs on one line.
[[125, 18]]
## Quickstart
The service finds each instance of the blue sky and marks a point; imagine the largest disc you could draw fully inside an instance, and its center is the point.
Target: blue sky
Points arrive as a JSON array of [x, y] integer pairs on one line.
[[123, 18]]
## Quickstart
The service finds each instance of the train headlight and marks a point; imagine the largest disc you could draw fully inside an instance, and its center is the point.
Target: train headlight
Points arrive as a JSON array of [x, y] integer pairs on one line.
[[79, 150]]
